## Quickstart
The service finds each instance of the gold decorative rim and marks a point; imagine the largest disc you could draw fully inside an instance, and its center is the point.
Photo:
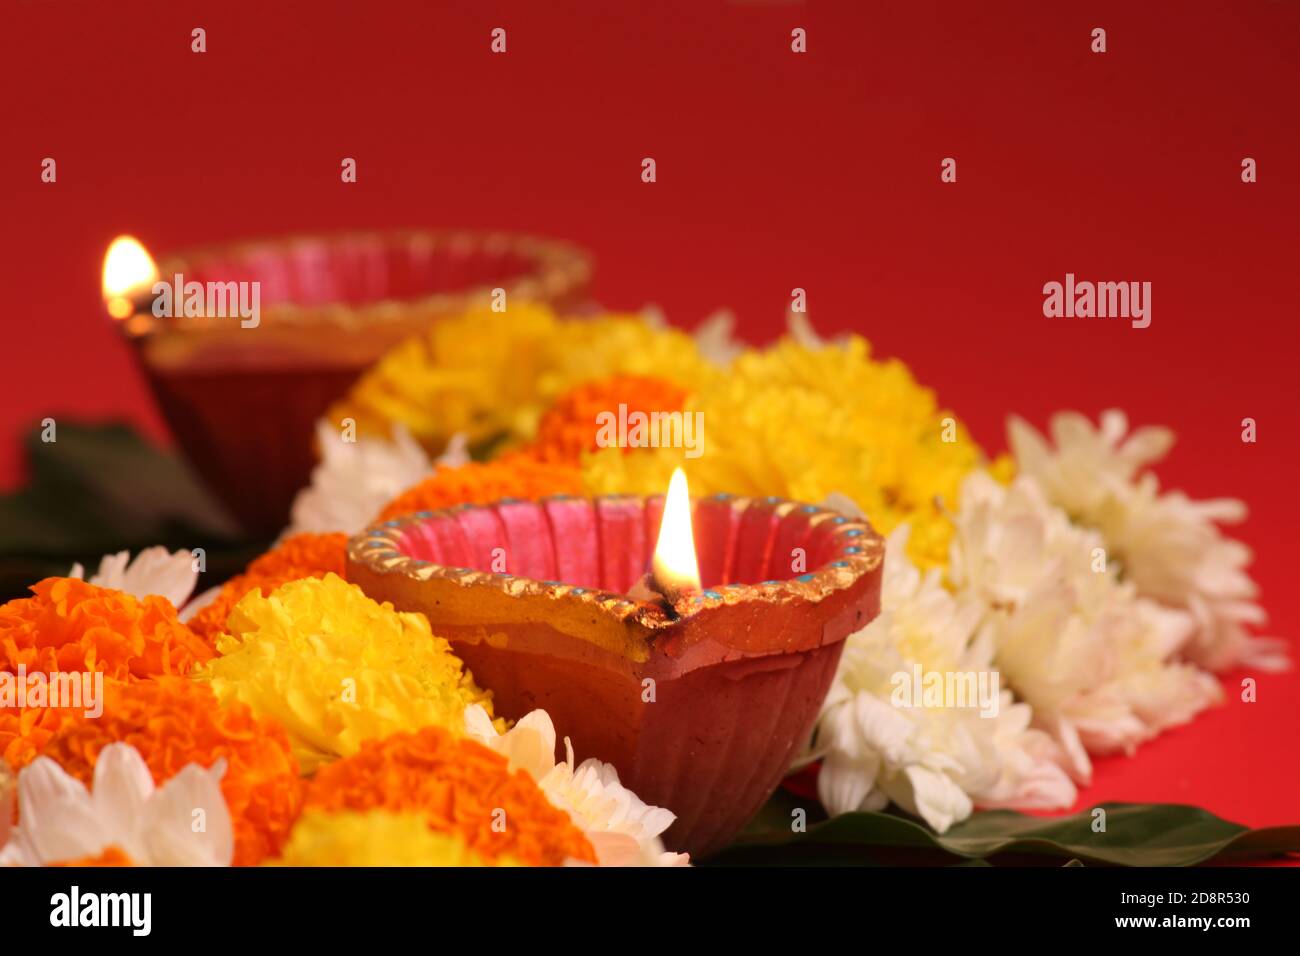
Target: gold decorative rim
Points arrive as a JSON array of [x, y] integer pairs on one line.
[[860, 550], [559, 269]]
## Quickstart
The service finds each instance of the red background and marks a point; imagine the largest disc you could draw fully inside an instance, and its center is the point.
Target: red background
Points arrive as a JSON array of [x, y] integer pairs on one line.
[[774, 171]]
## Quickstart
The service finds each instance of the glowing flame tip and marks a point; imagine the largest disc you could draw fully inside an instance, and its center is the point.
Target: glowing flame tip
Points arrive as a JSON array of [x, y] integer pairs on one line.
[[675, 566], [128, 269]]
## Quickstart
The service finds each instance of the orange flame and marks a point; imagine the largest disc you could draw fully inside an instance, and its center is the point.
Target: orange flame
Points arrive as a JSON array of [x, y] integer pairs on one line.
[[128, 270], [675, 566]]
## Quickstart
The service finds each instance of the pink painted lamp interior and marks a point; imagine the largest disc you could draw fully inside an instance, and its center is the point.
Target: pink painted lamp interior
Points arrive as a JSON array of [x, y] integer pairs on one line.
[[605, 544]]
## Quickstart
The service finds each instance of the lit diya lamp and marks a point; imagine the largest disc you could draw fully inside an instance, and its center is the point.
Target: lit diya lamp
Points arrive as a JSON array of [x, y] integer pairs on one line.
[[245, 346], [698, 681]]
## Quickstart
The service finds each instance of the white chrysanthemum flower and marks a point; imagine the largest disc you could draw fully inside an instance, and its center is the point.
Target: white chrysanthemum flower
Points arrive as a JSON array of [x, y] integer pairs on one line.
[[1167, 544], [60, 821], [800, 329], [198, 603], [355, 479], [154, 571], [1095, 661], [936, 761], [715, 337], [653, 316], [622, 828], [716, 340], [1089, 465]]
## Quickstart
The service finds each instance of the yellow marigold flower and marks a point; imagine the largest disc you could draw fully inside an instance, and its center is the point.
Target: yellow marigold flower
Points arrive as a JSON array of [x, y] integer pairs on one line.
[[306, 555], [375, 838], [492, 374], [336, 668], [456, 785], [1003, 469], [601, 347], [802, 423]]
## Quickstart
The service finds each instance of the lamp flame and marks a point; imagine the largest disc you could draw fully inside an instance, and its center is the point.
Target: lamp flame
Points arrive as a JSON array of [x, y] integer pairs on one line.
[[675, 567], [128, 270]]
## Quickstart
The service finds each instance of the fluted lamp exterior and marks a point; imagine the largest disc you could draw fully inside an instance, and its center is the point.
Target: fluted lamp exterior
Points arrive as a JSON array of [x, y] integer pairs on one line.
[[701, 706]]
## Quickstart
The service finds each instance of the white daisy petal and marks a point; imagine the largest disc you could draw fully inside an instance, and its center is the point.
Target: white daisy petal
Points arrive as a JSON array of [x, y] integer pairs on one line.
[[198, 603], [622, 828], [933, 796], [122, 788], [187, 821], [716, 339], [156, 570], [356, 478], [529, 745], [59, 820]]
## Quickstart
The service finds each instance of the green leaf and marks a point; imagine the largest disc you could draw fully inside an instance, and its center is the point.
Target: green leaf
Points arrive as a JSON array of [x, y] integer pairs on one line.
[[1135, 835], [99, 489]]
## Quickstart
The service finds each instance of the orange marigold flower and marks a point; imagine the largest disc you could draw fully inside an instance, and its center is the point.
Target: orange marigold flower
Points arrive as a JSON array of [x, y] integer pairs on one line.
[[320, 552], [71, 627], [296, 557], [110, 856], [174, 721], [458, 786], [25, 732], [570, 426], [511, 476]]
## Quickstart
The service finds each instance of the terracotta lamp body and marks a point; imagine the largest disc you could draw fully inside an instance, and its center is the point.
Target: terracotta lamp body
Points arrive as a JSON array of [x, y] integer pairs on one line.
[[243, 402], [700, 705]]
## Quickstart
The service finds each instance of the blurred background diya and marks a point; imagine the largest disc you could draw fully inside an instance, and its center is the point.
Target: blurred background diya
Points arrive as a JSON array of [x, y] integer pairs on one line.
[[246, 345], [698, 680]]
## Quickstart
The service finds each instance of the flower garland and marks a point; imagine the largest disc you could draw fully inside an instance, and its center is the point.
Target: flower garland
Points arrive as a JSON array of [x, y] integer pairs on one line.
[[1093, 601], [338, 669], [460, 378], [815, 421]]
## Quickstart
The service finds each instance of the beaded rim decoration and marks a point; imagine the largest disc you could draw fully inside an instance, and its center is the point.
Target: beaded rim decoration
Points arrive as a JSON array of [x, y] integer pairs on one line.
[[859, 550], [558, 270]]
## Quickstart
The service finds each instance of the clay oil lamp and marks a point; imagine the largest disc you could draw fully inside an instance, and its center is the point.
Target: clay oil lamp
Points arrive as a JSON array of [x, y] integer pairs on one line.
[[242, 393], [698, 680]]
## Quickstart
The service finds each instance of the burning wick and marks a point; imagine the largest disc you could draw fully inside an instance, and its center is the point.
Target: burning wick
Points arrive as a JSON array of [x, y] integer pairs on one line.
[[674, 570], [128, 276]]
